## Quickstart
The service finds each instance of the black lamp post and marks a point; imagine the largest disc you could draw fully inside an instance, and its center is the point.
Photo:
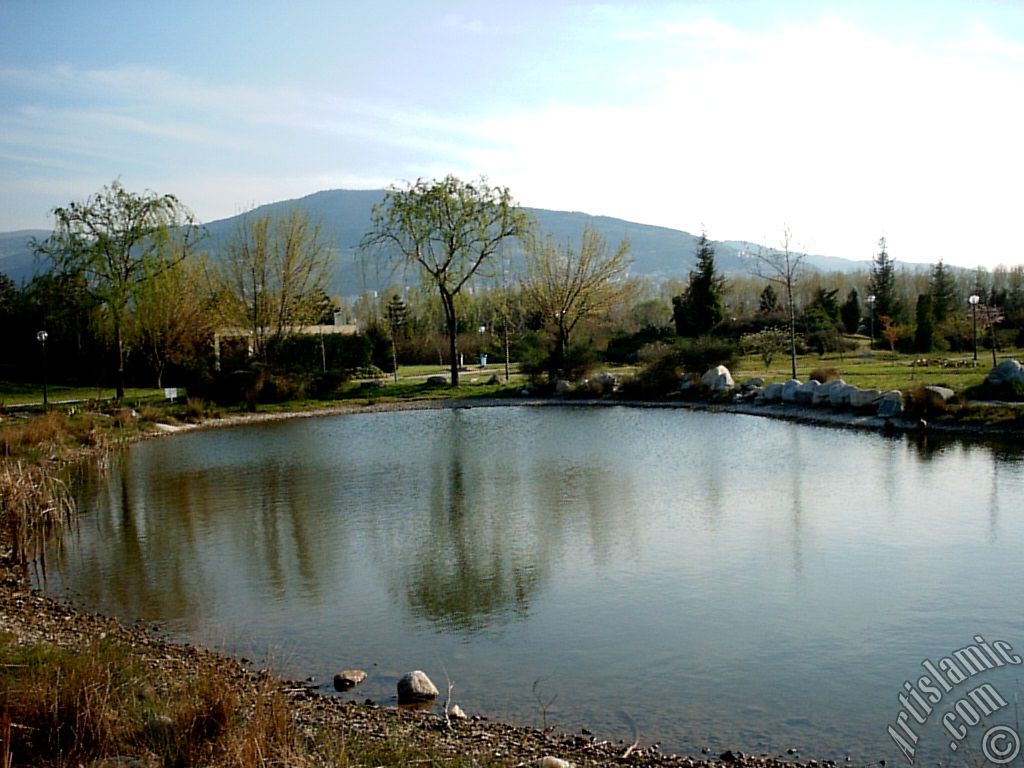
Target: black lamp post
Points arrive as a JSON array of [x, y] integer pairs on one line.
[[974, 299], [41, 337], [871, 312]]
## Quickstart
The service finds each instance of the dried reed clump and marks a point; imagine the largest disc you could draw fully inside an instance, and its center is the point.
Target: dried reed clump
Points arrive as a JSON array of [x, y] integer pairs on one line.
[[33, 504], [66, 706], [52, 434]]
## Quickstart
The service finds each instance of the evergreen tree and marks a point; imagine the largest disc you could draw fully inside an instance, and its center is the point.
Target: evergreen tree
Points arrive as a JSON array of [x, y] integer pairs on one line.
[[828, 303], [943, 291], [849, 313], [769, 300], [925, 331], [883, 284], [699, 308]]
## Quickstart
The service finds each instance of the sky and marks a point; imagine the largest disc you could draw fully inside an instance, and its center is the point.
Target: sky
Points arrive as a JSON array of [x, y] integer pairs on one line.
[[841, 121]]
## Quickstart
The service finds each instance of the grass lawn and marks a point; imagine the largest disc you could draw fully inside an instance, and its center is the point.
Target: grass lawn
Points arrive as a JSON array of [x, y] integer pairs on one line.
[[879, 369], [865, 368], [16, 394]]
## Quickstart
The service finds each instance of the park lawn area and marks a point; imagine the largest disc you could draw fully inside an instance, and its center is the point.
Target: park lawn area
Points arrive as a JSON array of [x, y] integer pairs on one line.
[[18, 394], [878, 369]]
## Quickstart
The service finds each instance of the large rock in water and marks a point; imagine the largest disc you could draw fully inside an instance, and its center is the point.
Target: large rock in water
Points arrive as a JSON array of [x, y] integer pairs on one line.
[[718, 379], [937, 397], [864, 398], [772, 393], [789, 390], [891, 404], [805, 392], [348, 679], [416, 687], [839, 396], [823, 394], [1007, 371], [602, 384]]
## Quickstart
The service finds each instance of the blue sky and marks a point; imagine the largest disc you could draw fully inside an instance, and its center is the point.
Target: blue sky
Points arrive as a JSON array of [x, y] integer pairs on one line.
[[842, 121]]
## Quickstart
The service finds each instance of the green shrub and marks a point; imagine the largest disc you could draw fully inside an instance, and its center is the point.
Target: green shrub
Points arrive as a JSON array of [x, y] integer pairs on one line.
[[700, 354]]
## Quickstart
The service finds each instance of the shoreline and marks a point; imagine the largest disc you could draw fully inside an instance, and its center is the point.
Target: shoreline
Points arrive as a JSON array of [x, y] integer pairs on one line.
[[796, 413], [31, 616]]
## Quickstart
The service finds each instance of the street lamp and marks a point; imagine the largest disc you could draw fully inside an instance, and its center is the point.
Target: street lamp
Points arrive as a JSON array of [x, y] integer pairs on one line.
[[974, 299], [871, 312], [41, 337]]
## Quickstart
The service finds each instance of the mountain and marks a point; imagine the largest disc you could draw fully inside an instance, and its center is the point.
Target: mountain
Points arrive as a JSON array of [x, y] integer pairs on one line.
[[657, 252], [16, 258]]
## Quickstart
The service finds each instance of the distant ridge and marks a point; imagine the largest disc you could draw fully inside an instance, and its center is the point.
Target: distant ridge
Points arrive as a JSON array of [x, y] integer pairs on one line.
[[658, 252]]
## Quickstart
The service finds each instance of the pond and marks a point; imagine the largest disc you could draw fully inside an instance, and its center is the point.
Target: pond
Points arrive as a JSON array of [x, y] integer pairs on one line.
[[718, 580]]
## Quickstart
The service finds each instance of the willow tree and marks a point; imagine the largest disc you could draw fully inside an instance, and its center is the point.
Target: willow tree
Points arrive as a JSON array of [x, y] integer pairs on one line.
[[115, 242], [449, 229], [566, 285]]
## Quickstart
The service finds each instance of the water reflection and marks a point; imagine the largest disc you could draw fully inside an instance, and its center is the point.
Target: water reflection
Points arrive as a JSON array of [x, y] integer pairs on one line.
[[712, 571], [470, 567]]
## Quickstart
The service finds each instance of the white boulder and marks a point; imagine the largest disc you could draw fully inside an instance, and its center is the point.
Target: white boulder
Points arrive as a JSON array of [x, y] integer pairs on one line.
[[789, 390], [416, 687], [718, 379]]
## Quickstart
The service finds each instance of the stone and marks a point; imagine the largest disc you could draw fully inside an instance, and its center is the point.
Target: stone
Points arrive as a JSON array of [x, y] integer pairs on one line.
[[805, 392], [436, 381], [752, 384], [495, 379], [553, 762], [562, 387], [936, 397], [1006, 372], [839, 396], [772, 393], [789, 390], [890, 404], [348, 679], [823, 394], [718, 379], [416, 687], [601, 384], [864, 398], [455, 711]]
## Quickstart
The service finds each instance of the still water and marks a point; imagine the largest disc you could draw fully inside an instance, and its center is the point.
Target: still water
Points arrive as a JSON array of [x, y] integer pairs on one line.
[[722, 581]]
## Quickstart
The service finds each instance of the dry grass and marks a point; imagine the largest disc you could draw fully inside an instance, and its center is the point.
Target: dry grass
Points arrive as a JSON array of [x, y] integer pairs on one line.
[[33, 503], [63, 707], [50, 435]]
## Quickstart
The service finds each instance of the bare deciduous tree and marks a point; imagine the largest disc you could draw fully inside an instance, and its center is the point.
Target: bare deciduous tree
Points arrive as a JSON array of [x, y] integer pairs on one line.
[[565, 285], [273, 276], [782, 267]]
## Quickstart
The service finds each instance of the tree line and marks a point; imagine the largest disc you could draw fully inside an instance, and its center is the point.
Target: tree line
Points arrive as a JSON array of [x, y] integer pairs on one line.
[[130, 292]]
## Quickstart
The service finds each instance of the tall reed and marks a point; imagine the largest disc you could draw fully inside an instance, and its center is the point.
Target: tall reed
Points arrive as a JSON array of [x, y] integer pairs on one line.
[[34, 503]]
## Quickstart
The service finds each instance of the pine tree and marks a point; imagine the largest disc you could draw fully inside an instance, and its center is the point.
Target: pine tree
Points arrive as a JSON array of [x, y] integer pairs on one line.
[[850, 312], [883, 284], [943, 291], [699, 308], [925, 331], [769, 300]]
